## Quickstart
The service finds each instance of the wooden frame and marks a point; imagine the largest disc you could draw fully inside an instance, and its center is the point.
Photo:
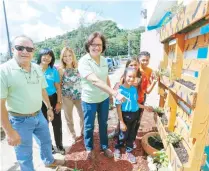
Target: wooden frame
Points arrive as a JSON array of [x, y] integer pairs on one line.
[[187, 110]]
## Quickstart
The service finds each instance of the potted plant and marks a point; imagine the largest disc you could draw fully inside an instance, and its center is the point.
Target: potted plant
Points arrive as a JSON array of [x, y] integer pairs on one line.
[[159, 162], [151, 143]]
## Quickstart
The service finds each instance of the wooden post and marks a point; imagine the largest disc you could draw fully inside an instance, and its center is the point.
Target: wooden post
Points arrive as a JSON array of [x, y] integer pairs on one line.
[[200, 120], [176, 70]]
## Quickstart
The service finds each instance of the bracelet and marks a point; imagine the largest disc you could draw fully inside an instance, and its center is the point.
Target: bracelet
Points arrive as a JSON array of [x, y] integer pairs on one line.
[[59, 102], [49, 108]]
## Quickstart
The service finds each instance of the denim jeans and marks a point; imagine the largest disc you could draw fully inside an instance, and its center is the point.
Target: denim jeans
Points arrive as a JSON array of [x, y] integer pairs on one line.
[[89, 111], [27, 127]]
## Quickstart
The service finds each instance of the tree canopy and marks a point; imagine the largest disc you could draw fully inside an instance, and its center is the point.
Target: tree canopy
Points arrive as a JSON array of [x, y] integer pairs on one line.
[[117, 39]]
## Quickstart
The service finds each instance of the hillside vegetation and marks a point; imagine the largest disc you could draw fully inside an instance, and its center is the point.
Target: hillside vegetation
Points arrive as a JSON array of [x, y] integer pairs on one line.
[[117, 39]]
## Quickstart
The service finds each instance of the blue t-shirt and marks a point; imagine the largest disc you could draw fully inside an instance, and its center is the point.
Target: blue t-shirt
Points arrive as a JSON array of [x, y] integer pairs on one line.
[[130, 105], [52, 76]]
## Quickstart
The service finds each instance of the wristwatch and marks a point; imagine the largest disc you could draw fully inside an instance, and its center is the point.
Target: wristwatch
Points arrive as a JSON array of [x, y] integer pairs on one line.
[[59, 102]]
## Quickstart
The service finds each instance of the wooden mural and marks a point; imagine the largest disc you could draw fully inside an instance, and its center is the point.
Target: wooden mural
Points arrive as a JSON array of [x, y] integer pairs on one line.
[[184, 93]]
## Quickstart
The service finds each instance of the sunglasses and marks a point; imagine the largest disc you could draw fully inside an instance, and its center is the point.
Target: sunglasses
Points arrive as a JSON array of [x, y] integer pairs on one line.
[[21, 48]]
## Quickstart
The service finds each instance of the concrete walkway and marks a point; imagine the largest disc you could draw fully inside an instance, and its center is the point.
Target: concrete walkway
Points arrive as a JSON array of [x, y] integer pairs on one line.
[[8, 159]]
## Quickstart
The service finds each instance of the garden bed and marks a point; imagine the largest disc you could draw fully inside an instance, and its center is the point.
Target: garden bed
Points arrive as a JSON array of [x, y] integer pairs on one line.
[[181, 153], [188, 84], [188, 95]]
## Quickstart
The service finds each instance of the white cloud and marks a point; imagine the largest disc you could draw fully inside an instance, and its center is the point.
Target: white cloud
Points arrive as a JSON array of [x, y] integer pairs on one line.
[[40, 31], [72, 17], [21, 11]]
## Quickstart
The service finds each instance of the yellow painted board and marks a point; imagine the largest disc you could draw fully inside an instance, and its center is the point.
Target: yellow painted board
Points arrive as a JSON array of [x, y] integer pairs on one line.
[[192, 13], [194, 64], [185, 93]]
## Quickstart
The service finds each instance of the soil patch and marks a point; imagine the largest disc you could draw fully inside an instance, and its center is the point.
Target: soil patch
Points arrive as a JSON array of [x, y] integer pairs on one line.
[[164, 120], [76, 155], [181, 152], [188, 84], [155, 143]]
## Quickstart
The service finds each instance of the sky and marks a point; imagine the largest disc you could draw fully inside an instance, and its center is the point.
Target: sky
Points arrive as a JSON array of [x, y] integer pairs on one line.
[[40, 19]]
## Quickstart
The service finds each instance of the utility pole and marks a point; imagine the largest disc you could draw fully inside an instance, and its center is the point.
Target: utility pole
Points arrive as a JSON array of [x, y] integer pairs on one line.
[[8, 39]]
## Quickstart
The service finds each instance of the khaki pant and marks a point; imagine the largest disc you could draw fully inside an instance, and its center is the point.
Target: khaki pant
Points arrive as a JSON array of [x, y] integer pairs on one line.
[[68, 105]]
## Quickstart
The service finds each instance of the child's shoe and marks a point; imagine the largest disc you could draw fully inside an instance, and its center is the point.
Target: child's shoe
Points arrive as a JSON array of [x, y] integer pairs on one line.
[[131, 158], [117, 154]]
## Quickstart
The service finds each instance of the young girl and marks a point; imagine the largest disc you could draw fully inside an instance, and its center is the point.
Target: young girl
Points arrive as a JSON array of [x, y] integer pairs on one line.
[[141, 83], [71, 89], [128, 113]]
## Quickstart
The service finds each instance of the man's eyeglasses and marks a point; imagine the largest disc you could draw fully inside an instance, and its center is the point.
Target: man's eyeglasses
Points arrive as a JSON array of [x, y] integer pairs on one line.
[[95, 45], [21, 48]]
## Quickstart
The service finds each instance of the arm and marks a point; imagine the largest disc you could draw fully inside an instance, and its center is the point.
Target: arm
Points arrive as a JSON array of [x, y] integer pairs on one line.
[[60, 71], [150, 87], [59, 99], [101, 84], [86, 72], [46, 101], [109, 84], [13, 137], [122, 124], [148, 108]]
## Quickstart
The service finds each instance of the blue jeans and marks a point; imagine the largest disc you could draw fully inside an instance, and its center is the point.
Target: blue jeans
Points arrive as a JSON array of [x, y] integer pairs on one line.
[[89, 110], [27, 127]]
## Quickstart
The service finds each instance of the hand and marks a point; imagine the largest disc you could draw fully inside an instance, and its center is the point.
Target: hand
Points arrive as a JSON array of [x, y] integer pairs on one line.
[[123, 126], [149, 108], [58, 107], [50, 115], [13, 138], [155, 78], [121, 98]]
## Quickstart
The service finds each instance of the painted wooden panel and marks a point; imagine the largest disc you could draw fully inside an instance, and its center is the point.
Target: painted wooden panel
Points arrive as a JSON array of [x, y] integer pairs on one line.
[[192, 13], [197, 42], [162, 131], [193, 64], [185, 93]]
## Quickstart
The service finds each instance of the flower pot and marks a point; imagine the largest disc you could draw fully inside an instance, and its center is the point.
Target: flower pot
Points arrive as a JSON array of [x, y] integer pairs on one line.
[[146, 146]]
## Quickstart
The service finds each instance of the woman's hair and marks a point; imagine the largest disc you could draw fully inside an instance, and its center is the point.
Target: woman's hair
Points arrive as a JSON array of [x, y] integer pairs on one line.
[[91, 39], [74, 60], [46, 51], [138, 73]]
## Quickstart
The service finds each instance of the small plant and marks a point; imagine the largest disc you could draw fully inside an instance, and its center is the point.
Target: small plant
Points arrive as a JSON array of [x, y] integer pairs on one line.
[[174, 139], [162, 72], [159, 111], [161, 158]]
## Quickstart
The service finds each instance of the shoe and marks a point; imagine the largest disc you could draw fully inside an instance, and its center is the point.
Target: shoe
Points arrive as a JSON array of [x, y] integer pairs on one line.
[[113, 134], [134, 145], [79, 137], [117, 154], [56, 163], [131, 158], [90, 155], [108, 153], [53, 150], [61, 150]]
